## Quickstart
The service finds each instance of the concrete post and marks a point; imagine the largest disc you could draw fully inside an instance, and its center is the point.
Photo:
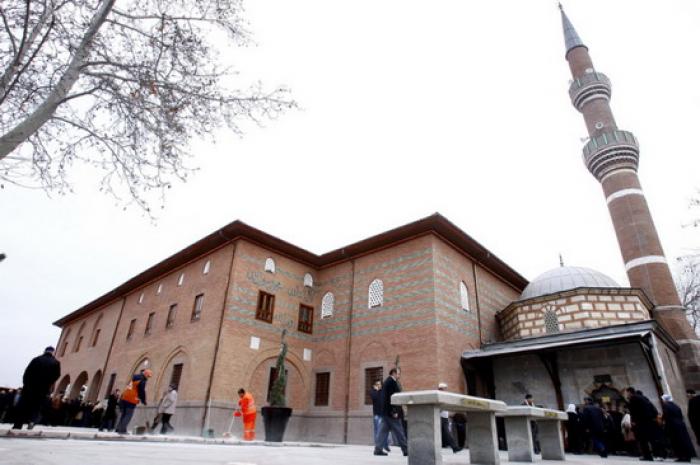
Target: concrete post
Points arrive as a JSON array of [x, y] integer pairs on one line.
[[551, 441], [483, 441], [519, 438], [424, 440]]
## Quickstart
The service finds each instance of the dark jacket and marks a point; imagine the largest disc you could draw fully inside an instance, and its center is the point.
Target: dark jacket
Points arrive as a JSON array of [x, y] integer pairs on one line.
[[641, 409], [694, 413], [111, 409], [593, 419], [40, 374], [377, 401], [390, 388], [136, 391], [676, 431]]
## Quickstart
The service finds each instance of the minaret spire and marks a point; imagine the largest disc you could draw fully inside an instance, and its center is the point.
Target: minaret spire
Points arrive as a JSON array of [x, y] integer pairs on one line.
[[612, 157], [571, 37]]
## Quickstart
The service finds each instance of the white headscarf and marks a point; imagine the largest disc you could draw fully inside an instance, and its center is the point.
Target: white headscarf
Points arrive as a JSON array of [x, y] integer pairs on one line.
[[571, 408], [667, 398]]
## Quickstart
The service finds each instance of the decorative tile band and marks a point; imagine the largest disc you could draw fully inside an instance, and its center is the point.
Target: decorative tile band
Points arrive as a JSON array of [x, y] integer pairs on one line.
[[623, 193], [644, 261]]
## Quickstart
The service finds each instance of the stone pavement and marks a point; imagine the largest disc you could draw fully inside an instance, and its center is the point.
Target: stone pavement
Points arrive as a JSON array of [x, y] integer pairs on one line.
[[48, 446]]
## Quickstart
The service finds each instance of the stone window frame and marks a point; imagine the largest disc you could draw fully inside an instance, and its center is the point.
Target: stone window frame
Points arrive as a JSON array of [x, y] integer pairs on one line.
[[314, 392], [308, 280], [327, 305], [464, 297], [375, 294], [270, 266]]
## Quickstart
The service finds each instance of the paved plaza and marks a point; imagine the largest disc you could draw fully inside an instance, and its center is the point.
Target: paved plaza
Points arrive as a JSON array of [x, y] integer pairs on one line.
[[73, 446]]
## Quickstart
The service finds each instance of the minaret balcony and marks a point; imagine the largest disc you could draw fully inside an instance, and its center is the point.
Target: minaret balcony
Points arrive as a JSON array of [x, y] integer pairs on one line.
[[611, 151], [592, 85]]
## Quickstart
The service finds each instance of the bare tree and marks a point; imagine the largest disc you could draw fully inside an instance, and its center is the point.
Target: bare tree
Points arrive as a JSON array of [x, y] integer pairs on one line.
[[119, 86], [688, 283]]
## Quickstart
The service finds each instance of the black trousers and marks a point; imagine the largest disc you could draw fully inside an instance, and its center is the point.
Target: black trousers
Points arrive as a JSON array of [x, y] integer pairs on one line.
[[447, 438], [643, 434], [165, 420], [27, 409]]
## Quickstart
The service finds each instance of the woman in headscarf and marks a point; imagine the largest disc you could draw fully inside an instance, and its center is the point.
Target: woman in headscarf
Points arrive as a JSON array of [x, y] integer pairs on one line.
[[573, 430]]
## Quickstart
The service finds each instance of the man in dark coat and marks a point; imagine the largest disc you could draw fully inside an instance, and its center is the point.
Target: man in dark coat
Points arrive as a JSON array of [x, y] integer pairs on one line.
[[676, 431], [38, 377], [377, 406], [643, 415], [593, 421], [391, 416], [110, 414], [694, 412]]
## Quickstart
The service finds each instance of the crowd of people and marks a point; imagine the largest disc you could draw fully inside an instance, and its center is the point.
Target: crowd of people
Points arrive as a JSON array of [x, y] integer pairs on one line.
[[633, 427]]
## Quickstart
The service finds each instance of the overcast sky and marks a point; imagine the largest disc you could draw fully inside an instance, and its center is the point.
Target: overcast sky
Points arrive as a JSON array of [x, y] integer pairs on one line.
[[408, 108]]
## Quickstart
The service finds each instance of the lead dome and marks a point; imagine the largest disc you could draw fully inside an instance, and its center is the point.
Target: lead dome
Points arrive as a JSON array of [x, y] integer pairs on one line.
[[565, 278]]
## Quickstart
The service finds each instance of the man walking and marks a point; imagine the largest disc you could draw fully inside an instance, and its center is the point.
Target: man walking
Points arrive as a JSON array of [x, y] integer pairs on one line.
[[676, 431], [593, 420], [246, 407], [38, 377], [391, 416], [694, 412], [134, 393], [447, 437], [643, 415]]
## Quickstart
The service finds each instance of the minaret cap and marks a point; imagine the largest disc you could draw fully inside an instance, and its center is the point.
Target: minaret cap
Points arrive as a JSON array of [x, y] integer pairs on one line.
[[571, 38]]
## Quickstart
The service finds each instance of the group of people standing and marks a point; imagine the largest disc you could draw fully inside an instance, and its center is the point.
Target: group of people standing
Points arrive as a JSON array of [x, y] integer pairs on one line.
[[638, 428]]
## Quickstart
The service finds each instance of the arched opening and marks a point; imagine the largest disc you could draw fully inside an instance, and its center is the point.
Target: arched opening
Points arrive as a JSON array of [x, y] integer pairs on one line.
[[62, 386], [94, 390], [174, 372], [77, 387]]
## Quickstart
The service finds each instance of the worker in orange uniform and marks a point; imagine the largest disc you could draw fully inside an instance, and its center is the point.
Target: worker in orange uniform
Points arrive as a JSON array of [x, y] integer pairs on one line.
[[134, 393], [246, 407]]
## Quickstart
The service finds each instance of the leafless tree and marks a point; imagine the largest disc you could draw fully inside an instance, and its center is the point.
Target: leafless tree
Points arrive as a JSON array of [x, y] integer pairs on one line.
[[688, 283], [120, 86]]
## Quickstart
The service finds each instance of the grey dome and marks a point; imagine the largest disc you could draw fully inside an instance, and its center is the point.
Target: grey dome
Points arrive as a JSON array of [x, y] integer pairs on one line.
[[564, 278]]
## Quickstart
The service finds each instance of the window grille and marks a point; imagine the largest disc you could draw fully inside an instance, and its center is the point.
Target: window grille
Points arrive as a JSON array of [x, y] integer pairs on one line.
[[551, 322], [376, 293], [327, 304], [270, 265], [306, 319], [372, 375], [308, 280], [464, 296], [266, 307], [197, 308], [323, 381]]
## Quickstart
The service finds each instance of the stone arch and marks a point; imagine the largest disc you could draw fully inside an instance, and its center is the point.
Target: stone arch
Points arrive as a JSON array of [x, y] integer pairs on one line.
[[325, 357], [177, 355], [142, 362], [297, 384], [80, 381], [374, 350], [63, 385], [94, 389]]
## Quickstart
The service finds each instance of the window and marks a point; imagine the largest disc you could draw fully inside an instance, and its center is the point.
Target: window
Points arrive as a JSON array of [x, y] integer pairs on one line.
[[176, 375], [266, 307], [323, 381], [273, 377], [372, 375], [79, 338], [130, 332], [172, 311], [110, 384], [160, 289], [306, 319], [149, 324], [308, 280], [141, 298], [181, 279], [207, 266], [63, 349], [77, 344], [376, 294], [197, 308], [95, 337], [464, 296], [327, 304], [551, 322], [270, 265]]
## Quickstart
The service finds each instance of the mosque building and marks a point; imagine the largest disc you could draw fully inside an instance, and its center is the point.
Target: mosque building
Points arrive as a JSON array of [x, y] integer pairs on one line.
[[209, 318]]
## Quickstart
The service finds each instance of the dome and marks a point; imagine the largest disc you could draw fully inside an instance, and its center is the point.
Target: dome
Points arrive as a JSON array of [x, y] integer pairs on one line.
[[564, 278]]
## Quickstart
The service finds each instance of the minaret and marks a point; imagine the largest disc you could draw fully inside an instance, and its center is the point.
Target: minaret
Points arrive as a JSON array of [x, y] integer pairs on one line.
[[612, 156]]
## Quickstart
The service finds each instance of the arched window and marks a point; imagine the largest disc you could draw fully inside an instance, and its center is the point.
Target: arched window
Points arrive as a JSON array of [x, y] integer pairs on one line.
[[181, 279], [96, 331], [327, 304], [207, 265], [270, 265], [79, 338], [308, 280], [160, 288], [376, 294], [551, 322], [141, 298], [464, 296]]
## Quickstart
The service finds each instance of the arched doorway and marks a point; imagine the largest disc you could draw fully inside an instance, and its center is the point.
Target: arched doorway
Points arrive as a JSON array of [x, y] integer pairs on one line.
[[80, 381], [63, 385], [94, 390]]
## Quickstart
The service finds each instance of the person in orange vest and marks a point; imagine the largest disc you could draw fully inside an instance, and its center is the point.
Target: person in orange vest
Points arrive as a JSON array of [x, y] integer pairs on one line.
[[246, 407], [134, 393]]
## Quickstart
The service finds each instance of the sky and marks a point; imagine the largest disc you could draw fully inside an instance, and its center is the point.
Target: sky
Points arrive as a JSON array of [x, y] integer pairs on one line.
[[406, 108]]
